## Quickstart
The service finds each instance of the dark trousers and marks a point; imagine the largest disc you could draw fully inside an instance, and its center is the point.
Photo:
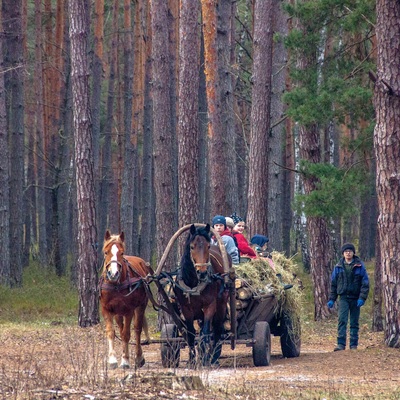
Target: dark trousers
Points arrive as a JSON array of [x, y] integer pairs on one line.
[[348, 306]]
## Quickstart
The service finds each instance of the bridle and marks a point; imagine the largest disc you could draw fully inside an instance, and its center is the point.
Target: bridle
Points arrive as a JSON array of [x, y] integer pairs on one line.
[[107, 272]]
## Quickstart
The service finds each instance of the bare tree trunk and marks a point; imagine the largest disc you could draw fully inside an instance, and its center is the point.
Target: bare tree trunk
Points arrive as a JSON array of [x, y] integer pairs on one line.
[[40, 152], [4, 182], [257, 198], [108, 185], [87, 234], [279, 206], [387, 150], [13, 63], [130, 156], [218, 143], [188, 123], [147, 194], [225, 63], [163, 161], [377, 305], [97, 80]]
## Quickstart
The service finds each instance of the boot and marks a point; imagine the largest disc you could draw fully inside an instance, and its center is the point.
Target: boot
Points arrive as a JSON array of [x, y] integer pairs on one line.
[[285, 286], [339, 347]]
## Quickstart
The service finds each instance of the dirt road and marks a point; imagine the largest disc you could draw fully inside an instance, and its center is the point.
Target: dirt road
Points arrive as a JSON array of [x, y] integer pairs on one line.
[[63, 362]]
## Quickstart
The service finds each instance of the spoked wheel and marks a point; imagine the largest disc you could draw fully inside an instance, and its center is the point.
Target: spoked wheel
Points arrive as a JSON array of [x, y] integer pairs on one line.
[[290, 336], [170, 349], [262, 344]]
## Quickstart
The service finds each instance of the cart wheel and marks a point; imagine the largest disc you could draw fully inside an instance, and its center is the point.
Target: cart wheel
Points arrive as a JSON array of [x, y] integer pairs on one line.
[[262, 344], [170, 351], [290, 337]]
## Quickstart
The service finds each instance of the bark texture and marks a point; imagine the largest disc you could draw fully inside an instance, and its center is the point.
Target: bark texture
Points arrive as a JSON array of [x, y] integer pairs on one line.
[[387, 149], [188, 122], [257, 213], [163, 167], [87, 233]]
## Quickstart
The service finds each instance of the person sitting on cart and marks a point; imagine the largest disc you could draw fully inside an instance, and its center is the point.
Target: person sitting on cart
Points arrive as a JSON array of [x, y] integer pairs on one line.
[[260, 243], [219, 224], [229, 225], [245, 251]]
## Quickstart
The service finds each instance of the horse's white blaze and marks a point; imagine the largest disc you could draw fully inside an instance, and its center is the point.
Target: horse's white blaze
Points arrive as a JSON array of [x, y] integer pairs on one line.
[[114, 258]]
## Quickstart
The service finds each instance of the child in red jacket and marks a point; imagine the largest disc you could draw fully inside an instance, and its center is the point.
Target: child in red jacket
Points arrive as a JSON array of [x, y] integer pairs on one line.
[[243, 245]]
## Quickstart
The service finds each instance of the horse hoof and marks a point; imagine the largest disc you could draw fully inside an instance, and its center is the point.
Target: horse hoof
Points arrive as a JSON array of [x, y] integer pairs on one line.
[[113, 365], [139, 362], [125, 366]]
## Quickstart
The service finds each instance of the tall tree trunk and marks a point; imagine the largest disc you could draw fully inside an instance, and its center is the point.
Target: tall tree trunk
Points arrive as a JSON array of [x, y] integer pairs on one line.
[[130, 156], [226, 47], [65, 154], [4, 182], [13, 63], [40, 151], [147, 194], [87, 234], [218, 143], [377, 304], [163, 162], [387, 150], [257, 198], [97, 80], [278, 205], [139, 59], [188, 122], [317, 227], [173, 42], [107, 181]]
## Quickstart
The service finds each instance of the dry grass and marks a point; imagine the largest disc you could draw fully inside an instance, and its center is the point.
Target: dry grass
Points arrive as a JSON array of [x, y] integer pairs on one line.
[[48, 357]]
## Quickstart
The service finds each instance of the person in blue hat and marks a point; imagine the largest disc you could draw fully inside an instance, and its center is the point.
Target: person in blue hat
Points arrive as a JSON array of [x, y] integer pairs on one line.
[[259, 242], [219, 224], [350, 283]]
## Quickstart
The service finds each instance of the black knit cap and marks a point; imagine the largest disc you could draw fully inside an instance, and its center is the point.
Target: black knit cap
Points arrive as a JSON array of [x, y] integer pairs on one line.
[[236, 218], [348, 246]]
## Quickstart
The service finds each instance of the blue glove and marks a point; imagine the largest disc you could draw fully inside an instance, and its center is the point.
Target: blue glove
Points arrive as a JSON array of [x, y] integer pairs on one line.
[[331, 303], [360, 302]]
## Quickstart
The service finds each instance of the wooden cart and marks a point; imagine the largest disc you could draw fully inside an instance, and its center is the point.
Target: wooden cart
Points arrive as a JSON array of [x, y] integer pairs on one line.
[[253, 326]]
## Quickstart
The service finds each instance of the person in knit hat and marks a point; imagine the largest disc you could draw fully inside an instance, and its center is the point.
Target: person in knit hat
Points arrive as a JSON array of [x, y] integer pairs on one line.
[[350, 283], [245, 250], [260, 242], [219, 224]]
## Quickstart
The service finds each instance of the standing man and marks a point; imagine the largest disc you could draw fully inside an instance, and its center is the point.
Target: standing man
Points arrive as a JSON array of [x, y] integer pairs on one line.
[[350, 282]]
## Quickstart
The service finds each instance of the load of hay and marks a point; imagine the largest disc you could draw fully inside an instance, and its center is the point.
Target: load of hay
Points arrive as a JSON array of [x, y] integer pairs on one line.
[[258, 277]]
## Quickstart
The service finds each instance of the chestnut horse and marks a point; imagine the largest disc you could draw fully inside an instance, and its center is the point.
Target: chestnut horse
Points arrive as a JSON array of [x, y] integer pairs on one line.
[[123, 297], [201, 294]]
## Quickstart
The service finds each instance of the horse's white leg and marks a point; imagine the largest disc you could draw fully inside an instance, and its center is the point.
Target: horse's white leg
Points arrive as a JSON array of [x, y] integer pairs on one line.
[[112, 358], [125, 330]]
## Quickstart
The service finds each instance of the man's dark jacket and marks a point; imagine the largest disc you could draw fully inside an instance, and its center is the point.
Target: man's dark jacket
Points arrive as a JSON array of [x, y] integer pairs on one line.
[[355, 288]]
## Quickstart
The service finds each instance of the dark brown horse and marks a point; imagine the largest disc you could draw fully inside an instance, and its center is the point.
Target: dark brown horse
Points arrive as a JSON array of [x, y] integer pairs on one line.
[[123, 297], [201, 294]]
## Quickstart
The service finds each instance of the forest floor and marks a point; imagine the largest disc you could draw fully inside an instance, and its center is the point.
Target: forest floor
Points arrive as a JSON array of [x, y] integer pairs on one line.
[[57, 361]]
